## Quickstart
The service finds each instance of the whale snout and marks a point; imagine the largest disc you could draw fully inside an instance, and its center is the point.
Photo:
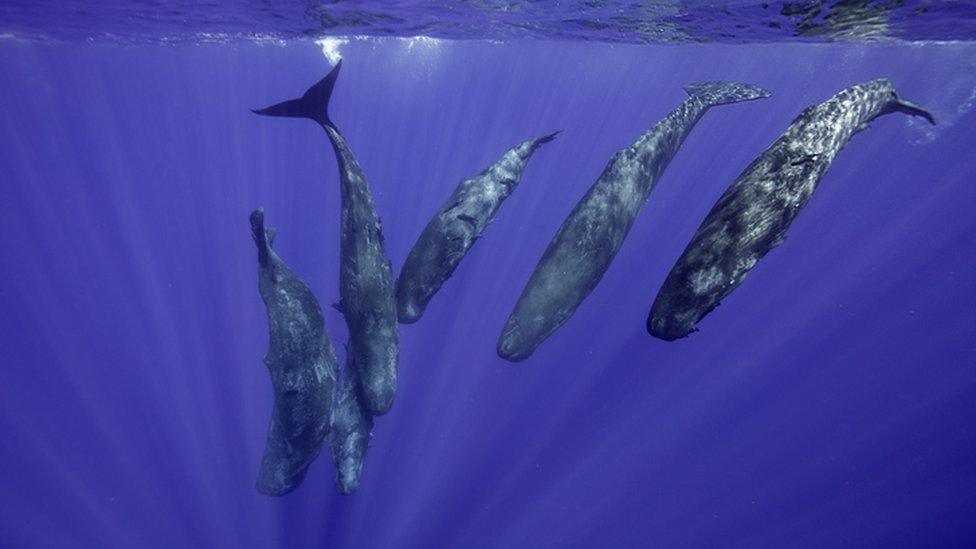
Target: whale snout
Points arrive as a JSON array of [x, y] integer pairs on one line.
[[512, 347], [668, 328], [347, 478], [411, 299], [378, 398], [408, 311], [279, 481]]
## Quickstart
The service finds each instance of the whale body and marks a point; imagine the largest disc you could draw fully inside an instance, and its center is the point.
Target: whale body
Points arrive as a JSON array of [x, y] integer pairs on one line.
[[351, 433], [302, 364], [752, 216], [365, 278], [586, 243], [455, 228]]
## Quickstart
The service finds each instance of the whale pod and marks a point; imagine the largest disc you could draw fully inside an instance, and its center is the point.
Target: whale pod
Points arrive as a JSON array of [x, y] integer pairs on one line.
[[752, 216], [455, 228], [365, 279], [302, 364], [586, 243]]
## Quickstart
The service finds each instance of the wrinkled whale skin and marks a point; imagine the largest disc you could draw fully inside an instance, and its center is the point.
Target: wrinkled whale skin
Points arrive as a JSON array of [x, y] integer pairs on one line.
[[456, 227], [752, 216], [303, 368], [589, 239]]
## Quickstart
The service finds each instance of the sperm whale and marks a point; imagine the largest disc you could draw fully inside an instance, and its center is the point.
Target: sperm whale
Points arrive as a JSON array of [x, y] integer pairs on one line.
[[752, 216], [455, 228], [351, 431], [365, 279], [588, 240], [303, 367]]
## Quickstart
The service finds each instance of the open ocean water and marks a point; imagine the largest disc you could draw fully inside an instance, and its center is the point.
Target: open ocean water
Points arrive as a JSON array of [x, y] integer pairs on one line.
[[828, 402]]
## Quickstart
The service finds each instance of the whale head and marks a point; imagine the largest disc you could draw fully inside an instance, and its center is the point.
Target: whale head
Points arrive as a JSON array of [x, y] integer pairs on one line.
[[513, 345], [669, 328]]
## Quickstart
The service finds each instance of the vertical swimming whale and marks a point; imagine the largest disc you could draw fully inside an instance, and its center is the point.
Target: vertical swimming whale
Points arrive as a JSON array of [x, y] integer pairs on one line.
[[752, 216], [365, 279], [455, 228], [303, 367], [351, 431], [586, 243]]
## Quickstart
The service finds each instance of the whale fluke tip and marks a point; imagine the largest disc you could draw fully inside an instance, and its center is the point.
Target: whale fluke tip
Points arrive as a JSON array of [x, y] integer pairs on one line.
[[314, 103]]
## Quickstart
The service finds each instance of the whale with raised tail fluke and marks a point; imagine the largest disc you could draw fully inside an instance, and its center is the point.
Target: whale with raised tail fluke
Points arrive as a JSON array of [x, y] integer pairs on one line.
[[365, 279]]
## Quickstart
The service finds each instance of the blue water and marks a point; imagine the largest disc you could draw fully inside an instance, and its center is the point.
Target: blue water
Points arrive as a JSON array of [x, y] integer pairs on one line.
[[828, 402]]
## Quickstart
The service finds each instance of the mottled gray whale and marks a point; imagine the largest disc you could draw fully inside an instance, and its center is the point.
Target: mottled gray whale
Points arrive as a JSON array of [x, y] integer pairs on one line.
[[586, 243], [455, 228], [365, 279], [752, 216], [351, 434], [303, 367]]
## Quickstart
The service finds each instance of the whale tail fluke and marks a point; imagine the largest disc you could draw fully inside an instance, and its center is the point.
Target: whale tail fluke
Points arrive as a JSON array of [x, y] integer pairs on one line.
[[722, 93], [547, 138], [907, 107], [538, 141], [313, 104]]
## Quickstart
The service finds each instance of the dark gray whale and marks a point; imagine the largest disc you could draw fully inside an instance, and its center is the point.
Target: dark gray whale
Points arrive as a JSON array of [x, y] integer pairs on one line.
[[752, 216], [351, 431], [366, 279], [303, 367], [455, 228], [588, 240]]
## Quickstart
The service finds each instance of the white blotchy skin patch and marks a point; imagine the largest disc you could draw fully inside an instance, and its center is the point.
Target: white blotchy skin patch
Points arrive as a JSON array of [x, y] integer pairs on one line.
[[706, 281]]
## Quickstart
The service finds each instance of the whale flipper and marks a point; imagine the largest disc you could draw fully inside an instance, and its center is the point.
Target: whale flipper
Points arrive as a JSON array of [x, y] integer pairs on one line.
[[313, 104], [302, 364]]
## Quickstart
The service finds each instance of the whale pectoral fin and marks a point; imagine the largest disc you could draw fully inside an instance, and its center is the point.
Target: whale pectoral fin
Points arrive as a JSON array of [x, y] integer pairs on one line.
[[338, 307]]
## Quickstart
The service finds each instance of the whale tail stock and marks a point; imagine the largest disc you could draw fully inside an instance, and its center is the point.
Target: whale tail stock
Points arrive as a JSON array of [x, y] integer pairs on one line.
[[263, 237], [723, 93], [313, 104]]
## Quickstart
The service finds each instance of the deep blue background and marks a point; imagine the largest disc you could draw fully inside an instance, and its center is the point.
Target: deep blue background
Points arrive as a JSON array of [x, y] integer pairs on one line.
[[828, 402]]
